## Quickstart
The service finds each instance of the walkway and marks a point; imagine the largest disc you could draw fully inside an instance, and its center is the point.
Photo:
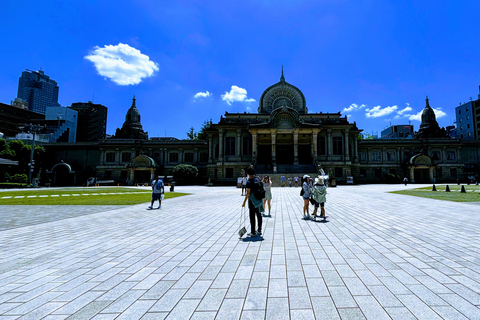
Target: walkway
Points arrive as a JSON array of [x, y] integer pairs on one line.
[[378, 256]]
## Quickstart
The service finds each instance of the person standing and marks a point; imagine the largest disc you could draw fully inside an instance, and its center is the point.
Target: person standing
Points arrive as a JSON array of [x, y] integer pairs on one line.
[[158, 189], [307, 192], [296, 181], [267, 185], [255, 206], [405, 180], [282, 181], [320, 197], [244, 184]]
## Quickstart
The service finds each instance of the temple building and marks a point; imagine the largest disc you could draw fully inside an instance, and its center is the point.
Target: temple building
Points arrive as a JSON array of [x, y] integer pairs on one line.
[[281, 138]]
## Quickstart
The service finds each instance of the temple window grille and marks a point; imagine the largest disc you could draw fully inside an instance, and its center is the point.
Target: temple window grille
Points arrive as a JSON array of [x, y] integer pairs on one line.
[[337, 145], [450, 155], [126, 156], [322, 148], [110, 157], [247, 146], [188, 157], [173, 157], [390, 156], [376, 156], [230, 146]]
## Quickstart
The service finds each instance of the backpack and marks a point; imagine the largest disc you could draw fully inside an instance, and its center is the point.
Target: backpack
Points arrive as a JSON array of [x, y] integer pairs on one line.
[[158, 184], [258, 190]]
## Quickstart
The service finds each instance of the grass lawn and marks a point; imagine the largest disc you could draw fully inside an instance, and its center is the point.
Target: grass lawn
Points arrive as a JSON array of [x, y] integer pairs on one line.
[[81, 196], [472, 194]]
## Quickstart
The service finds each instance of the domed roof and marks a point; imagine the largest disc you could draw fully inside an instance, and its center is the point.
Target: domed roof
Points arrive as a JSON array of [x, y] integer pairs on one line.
[[133, 115], [428, 114], [282, 94]]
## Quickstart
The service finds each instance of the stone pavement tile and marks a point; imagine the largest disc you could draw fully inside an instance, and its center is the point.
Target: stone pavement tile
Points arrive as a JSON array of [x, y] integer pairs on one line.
[[203, 315], [474, 285], [212, 300], [89, 310], [296, 279], [230, 309], [384, 296], [324, 308], [78, 303], [356, 287], [395, 286], [371, 308], [278, 309], [278, 272], [378, 270], [439, 276], [356, 264], [33, 304], [238, 289], [317, 287], [123, 302], [5, 307], [116, 292], [427, 295], [210, 273], [34, 293], [105, 316], [469, 295], [231, 266], [299, 298], [253, 314], [256, 299], [332, 278], [418, 307], [184, 309], [400, 313], [259, 280], [223, 280], [433, 284], [278, 288], [462, 305], [448, 312], [303, 314], [351, 313], [345, 271], [149, 281], [342, 297], [196, 291]]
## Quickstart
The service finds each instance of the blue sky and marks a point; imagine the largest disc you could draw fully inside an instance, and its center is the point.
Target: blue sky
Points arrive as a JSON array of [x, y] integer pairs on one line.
[[190, 61]]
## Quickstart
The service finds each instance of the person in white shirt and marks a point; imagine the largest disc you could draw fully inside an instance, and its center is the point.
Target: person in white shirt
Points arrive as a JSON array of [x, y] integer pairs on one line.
[[244, 185]]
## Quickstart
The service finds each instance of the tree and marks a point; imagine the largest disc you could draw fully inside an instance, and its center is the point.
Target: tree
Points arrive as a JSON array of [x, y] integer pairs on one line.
[[365, 136], [202, 135], [191, 134], [185, 173]]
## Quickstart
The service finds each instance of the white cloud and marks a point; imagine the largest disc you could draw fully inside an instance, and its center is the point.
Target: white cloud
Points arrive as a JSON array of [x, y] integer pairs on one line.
[[122, 64], [353, 107], [236, 94], [404, 110], [205, 94], [377, 111], [438, 114]]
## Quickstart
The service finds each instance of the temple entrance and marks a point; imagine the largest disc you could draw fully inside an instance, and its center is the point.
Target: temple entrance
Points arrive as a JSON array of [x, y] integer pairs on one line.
[[142, 176], [304, 154], [284, 153], [264, 154], [422, 176]]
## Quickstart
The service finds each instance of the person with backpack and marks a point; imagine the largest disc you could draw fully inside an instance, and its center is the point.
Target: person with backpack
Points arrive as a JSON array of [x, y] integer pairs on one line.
[[158, 188], [320, 196], [254, 196]]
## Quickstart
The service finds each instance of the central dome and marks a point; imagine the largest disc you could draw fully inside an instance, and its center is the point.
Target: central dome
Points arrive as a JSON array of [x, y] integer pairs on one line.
[[282, 94]]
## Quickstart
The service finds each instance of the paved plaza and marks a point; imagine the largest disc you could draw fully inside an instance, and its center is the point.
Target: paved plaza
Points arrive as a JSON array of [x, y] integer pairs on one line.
[[378, 256]]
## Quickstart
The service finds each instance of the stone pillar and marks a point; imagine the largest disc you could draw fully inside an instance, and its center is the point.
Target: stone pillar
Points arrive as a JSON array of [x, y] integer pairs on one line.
[[329, 143], [444, 154], [196, 157], [295, 147], [458, 154], [412, 175], [315, 145], [254, 145], [274, 146], [383, 155], [132, 175], [117, 156], [430, 173], [220, 145], [102, 157], [355, 146], [347, 151], [152, 174], [180, 153], [239, 143], [210, 148]]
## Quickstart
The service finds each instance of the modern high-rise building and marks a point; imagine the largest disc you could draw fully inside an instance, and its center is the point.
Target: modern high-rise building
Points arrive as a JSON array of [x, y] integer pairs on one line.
[[404, 131], [38, 90], [468, 119], [91, 122]]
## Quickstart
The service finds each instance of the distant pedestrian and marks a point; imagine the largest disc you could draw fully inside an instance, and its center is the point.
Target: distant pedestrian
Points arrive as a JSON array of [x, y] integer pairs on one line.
[[267, 185], [405, 180], [282, 181], [158, 189], [306, 193], [255, 206], [296, 181], [244, 184], [320, 197]]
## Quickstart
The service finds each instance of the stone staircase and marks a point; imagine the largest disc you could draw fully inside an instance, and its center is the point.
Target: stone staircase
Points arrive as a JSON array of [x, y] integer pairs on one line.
[[289, 171]]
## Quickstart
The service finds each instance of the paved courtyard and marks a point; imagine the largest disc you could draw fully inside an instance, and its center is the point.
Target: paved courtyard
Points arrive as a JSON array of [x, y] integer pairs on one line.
[[378, 256]]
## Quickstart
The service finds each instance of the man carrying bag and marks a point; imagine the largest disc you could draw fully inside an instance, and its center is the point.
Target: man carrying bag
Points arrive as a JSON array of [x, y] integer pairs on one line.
[[254, 196]]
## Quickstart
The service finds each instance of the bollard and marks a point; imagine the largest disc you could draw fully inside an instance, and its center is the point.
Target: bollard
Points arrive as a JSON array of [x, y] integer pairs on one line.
[[434, 189], [118, 184], [463, 189], [447, 189]]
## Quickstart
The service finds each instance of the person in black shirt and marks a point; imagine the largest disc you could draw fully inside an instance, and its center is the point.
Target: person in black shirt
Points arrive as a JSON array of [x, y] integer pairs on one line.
[[255, 206]]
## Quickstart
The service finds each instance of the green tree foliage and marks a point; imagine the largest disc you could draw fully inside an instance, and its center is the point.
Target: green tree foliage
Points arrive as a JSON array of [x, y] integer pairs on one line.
[[365, 136], [191, 134], [5, 151], [185, 173]]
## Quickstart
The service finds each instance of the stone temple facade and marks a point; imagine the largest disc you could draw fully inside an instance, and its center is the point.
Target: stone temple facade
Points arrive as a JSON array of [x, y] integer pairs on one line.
[[281, 138]]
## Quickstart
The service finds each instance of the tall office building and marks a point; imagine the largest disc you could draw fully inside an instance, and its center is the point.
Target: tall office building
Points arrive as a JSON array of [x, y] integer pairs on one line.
[[468, 119], [92, 121], [38, 90]]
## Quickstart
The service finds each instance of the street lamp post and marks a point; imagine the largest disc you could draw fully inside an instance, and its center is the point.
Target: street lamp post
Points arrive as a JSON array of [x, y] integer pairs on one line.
[[32, 128]]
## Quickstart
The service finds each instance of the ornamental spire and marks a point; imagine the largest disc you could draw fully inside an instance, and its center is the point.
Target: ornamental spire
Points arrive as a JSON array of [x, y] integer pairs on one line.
[[282, 78], [133, 102], [427, 103]]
